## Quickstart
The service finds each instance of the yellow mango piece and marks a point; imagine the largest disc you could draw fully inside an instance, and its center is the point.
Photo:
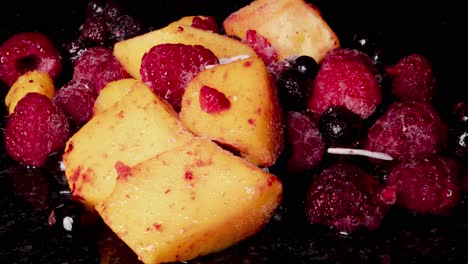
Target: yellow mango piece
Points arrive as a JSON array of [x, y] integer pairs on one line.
[[293, 27], [130, 52], [189, 201], [135, 128], [32, 81], [252, 124], [113, 92]]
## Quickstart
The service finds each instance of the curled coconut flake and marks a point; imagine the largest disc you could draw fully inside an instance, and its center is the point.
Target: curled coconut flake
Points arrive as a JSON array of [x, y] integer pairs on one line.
[[361, 152]]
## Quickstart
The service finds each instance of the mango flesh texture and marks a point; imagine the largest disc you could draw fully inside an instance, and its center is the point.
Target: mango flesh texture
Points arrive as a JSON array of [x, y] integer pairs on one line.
[[189, 201], [113, 92], [29, 82], [130, 52], [253, 124], [293, 27], [135, 128]]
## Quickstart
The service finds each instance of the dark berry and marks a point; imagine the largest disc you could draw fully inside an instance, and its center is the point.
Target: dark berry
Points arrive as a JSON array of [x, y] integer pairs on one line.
[[28, 51], [35, 129], [74, 49], [304, 141], [341, 128], [429, 185], [95, 30], [167, 69], [346, 198], [345, 78], [67, 216], [306, 65], [408, 130], [261, 46], [125, 27], [458, 130], [31, 184], [76, 99], [293, 87], [412, 78], [371, 44]]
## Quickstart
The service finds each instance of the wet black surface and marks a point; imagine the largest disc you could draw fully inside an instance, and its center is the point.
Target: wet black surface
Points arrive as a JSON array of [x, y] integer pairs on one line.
[[434, 29]]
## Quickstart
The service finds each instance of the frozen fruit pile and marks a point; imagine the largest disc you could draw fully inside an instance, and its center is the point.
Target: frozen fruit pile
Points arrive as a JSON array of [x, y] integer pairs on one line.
[[364, 132]]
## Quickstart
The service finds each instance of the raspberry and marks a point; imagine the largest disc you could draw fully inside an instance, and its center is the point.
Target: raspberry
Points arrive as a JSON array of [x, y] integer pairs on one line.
[[306, 143], [167, 69], [345, 78], [89, 60], [95, 30], [28, 51], [98, 65], [348, 199], [262, 46], [76, 99], [35, 129], [205, 23], [412, 78], [407, 130], [355, 55], [213, 101], [429, 185]]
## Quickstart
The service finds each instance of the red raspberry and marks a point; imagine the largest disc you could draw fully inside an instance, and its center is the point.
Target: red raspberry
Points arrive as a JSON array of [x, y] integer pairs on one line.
[[35, 129], [213, 101], [262, 46], [346, 78], [98, 65], [167, 69], [89, 60], [408, 130], [346, 198], [429, 185], [76, 99], [207, 23], [28, 51], [305, 142], [412, 78]]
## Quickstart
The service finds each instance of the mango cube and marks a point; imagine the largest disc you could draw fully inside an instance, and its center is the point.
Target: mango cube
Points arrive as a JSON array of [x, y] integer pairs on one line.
[[189, 201]]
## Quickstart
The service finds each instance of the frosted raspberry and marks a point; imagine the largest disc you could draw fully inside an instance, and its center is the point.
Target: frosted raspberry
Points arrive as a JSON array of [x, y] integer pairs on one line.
[[124, 27], [207, 23], [76, 99], [35, 129], [348, 199], [167, 69], [94, 29], [412, 78], [261, 46], [99, 66], [305, 142], [407, 130], [28, 51], [429, 185], [89, 60], [345, 78]]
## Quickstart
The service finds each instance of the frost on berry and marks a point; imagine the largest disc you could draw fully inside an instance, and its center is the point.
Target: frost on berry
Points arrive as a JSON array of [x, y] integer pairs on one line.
[[412, 78], [168, 68], [213, 101], [429, 185], [35, 129], [347, 198], [346, 79], [76, 99], [408, 130], [305, 142]]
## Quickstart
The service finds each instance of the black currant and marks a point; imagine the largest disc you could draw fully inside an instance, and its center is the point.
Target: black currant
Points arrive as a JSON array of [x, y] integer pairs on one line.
[[306, 65], [341, 127], [293, 88]]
